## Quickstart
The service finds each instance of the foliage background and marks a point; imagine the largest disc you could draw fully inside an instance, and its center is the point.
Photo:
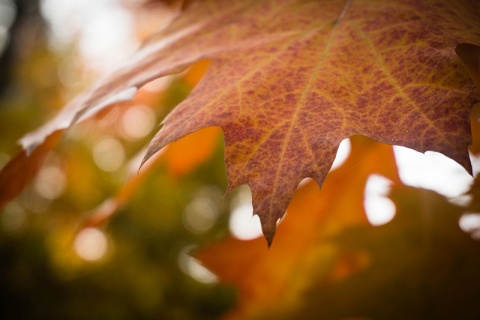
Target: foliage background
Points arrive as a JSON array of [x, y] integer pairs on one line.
[[140, 276]]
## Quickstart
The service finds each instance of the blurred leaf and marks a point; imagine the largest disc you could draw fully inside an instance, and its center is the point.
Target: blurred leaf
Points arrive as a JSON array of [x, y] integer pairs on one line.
[[186, 154], [22, 168], [423, 266]]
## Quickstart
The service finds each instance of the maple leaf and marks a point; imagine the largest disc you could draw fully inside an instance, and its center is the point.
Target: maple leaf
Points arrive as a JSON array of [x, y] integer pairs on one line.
[[290, 79]]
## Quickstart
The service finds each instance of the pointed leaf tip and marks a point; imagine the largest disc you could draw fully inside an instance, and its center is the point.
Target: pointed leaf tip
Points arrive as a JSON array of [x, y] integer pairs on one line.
[[269, 237], [148, 155], [269, 227]]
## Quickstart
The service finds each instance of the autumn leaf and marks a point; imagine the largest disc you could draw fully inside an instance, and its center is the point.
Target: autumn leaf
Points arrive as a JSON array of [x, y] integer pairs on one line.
[[291, 79], [295, 98], [272, 282]]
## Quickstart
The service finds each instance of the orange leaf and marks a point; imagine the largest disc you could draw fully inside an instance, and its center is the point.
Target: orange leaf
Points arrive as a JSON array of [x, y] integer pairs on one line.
[[290, 79], [186, 154]]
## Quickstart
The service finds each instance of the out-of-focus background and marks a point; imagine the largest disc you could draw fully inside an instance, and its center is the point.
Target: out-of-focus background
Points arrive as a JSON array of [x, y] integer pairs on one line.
[[91, 237], [54, 264]]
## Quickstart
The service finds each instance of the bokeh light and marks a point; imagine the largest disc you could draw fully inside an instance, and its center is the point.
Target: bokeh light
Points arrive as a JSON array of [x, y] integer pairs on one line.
[[103, 30], [379, 208], [470, 223], [202, 212], [50, 182], [137, 122], [243, 224], [200, 215], [7, 16], [343, 152], [191, 267], [109, 154], [91, 244], [14, 218], [433, 171]]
